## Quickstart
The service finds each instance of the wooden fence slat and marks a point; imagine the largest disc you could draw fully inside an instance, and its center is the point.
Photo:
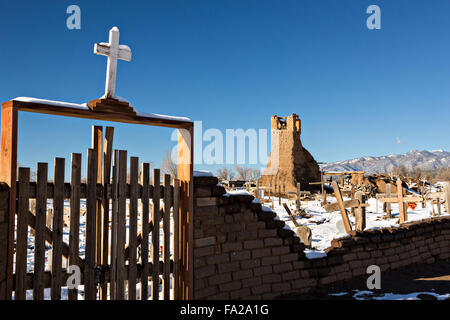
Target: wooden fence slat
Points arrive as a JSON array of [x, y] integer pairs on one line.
[[114, 225], [121, 235], [132, 230], [166, 240], [89, 270], [145, 171], [39, 238], [97, 145], [58, 216], [106, 177], [22, 234], [74, 229], [175, 238], [155, 234], [402, 207]]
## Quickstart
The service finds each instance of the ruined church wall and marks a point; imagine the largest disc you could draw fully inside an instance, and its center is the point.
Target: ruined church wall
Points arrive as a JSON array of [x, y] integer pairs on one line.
[[243, 252]]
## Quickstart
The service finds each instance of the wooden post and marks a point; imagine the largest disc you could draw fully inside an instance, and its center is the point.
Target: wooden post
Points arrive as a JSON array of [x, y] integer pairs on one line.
[[447, 196], [39, 240], [58, 216], [8, 171], [291, 216], [185, 173], [74, 235], [166, 238], [360, 211], [352, 194], [90, 292], [388, 205], [132, 229], [297, 201], [345, 220], [155, 234], [106, 179], [22, 233], [121, 217], [114, 225], [402, 207], [145, 227], [176, 241], [97, 145]]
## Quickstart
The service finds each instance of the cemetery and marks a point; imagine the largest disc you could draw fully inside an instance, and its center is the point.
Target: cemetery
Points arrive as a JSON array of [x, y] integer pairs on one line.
[[129, 232]]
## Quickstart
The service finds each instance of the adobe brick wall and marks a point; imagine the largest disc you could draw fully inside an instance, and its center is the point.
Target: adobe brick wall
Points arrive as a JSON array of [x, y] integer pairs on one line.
[[242, 252]]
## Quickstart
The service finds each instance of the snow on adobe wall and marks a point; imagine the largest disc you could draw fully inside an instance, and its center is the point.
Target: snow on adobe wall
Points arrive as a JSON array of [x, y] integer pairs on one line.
[[241, 251]]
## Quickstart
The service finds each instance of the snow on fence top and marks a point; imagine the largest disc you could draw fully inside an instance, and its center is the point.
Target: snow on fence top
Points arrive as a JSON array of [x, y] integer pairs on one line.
[[84, 106]]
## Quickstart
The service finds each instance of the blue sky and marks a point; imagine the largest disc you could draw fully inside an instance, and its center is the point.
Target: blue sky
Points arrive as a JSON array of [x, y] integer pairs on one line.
[[233, 64]]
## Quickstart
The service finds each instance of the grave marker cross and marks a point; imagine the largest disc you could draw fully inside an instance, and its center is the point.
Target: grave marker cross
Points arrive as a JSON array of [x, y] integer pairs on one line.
[[113, 51], [402, 201]]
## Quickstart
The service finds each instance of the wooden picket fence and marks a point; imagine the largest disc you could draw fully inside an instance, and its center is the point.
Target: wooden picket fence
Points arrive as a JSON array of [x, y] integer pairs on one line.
[[112, 267]]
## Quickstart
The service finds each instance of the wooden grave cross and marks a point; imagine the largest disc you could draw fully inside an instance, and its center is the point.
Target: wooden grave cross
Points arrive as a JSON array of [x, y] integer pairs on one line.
[[114, 52], [402, 201], [341, 205]]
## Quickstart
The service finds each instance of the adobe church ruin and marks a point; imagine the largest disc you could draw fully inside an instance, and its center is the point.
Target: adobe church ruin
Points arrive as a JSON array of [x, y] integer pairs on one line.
[[295, 163]]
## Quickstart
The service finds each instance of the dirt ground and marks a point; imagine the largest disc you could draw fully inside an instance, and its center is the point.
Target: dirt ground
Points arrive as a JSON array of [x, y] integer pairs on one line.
[[433, 278]]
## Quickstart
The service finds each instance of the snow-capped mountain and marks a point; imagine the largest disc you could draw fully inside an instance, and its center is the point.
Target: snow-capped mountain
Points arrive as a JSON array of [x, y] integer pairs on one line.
[[426, 160]]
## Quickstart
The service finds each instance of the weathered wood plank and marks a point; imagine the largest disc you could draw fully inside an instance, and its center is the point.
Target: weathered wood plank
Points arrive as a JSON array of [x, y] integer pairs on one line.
[[57, 229], [22, 234], [114, 224], [166, 241], [185, 172], [106, 116], [290, 215], [345, 219], [106, 177], [401, 206], [360, 221], [39, 240], [404, 199], [8, 171], [74, 229], [335, 206], [90, 292], [132, 230], [121, 231], [175, 238], [145, 227], [155, 235], [447, 196]]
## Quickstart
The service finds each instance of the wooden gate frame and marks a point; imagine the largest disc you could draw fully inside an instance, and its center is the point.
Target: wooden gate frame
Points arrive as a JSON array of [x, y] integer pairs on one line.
[[117, 112]]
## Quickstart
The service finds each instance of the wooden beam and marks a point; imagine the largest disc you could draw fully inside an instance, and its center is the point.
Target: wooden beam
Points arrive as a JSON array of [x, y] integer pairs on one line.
[[8, 171], [401, 206], [447, 196], [404, 199], [185, 173], [100, 115], [347, 204], [344, 214], [290, 215]]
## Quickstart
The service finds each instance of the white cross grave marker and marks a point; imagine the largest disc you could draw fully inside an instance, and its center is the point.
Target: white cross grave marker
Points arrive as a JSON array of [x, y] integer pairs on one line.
[[113, 51]]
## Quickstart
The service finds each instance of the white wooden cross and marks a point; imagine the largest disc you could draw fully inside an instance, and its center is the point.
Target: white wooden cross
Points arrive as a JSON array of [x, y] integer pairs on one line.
[[113, 51]]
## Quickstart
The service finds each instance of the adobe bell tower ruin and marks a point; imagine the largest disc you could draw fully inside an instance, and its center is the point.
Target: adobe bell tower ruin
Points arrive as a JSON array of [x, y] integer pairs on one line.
[[289, 162]]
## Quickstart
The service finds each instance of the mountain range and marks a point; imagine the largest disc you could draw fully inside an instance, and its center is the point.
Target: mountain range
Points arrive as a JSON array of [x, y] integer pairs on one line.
[[425, 160]]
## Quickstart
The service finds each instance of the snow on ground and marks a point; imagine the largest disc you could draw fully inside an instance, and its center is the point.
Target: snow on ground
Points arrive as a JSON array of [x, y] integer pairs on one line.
[[326, 226], [369, 295]]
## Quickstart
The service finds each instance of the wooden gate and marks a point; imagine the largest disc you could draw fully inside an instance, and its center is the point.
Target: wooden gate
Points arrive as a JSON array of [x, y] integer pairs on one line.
[[108, 261], [112, 232]]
